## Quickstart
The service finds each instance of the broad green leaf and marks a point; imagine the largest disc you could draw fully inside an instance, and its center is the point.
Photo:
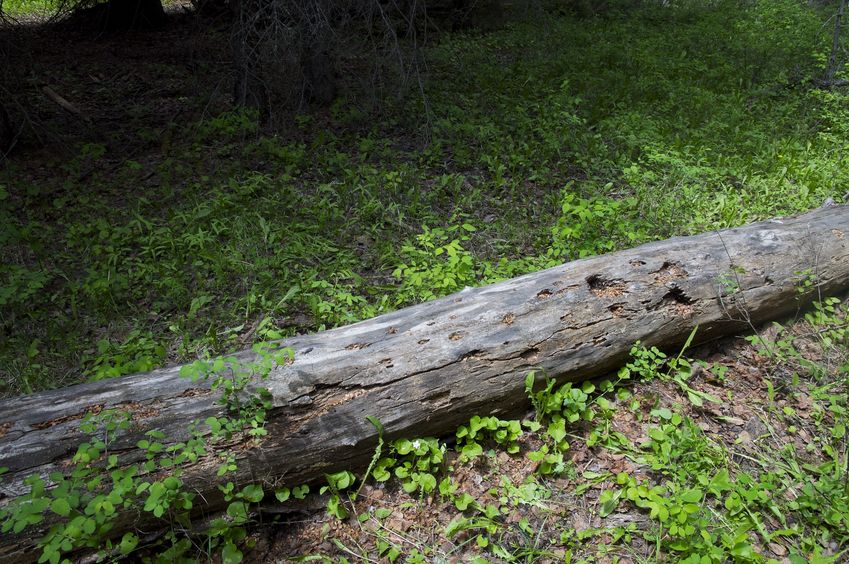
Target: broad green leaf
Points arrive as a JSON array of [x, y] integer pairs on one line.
[[230, 554], [61, 507], [253, 493]]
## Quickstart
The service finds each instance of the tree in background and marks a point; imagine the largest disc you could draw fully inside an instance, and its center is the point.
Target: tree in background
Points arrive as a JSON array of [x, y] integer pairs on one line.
[[289, 50], [834, 61], [282, 47]]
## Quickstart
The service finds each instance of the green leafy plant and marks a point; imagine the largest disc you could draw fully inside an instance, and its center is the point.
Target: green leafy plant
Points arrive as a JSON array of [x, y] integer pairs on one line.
[[592, 226], [139, 352], [437, 264], [554, 410], [233, 380], [237, 123], [414, 462], [83, 502], [336, 483], [481, 429], [651, 363]]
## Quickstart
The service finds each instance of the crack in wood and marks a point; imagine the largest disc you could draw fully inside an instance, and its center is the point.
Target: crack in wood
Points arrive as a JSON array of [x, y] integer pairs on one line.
[[677, 295], [91, 410], [472, 355], [439, 400], [528, 354], [193, 392], [675, 300], [576, 327]]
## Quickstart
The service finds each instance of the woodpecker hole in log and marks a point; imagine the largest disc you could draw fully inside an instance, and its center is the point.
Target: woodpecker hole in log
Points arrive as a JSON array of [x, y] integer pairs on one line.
[[603, 288]]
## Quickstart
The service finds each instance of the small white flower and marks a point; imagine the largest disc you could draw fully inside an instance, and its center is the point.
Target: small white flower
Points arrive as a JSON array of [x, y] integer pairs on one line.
[[416, 444]]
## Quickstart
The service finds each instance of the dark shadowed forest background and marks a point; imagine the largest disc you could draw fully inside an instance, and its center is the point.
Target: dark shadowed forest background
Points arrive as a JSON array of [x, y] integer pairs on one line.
[[184, 180]]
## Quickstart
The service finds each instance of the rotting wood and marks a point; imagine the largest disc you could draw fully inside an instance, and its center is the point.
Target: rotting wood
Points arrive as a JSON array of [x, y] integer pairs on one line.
[[426, 369]]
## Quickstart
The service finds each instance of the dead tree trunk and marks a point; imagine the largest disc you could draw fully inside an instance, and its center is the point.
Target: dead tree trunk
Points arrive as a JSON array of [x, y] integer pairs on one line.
[[426, 369]]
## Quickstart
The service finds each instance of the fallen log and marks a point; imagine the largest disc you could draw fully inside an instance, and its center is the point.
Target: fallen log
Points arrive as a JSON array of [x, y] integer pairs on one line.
[[426, 369]]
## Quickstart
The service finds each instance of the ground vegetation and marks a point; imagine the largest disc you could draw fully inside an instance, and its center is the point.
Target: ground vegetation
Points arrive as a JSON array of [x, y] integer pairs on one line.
[[145, 220]]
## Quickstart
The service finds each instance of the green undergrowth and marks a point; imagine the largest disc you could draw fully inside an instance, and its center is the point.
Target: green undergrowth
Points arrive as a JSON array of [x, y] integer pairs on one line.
[[28, 8], [669, 470], [549, 140], [42, 10]]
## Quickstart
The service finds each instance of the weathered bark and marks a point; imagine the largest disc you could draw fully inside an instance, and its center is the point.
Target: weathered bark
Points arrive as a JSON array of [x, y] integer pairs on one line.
[[425, 369]]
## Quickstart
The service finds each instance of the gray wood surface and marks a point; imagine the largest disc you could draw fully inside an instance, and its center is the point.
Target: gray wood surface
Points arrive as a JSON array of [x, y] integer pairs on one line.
[[426, 369]]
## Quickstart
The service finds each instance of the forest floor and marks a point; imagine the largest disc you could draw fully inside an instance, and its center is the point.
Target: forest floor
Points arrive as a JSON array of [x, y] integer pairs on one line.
[[153, 224], [734, 464]]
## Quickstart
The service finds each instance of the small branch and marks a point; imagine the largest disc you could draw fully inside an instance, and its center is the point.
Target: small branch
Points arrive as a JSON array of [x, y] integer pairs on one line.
[[63, 103], [833, 83]]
